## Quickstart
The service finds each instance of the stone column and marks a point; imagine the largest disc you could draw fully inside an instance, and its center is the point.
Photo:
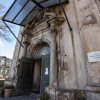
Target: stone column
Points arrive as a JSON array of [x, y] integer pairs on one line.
[[53, 62]]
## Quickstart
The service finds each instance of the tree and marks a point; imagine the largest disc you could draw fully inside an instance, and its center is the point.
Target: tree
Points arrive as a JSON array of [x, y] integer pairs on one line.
[[3, 29]]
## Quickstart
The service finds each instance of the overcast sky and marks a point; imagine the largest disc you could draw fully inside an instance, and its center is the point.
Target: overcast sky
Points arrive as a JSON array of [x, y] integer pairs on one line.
[[7, 49]]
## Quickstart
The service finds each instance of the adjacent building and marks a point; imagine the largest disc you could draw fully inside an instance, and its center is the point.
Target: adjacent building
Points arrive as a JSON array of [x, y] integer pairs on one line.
[[5, 64]]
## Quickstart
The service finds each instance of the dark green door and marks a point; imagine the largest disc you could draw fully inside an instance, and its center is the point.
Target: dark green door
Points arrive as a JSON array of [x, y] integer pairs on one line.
[[45, 73]]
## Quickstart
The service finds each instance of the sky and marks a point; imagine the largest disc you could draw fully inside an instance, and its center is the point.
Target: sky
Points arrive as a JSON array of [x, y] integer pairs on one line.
[[7, 48]]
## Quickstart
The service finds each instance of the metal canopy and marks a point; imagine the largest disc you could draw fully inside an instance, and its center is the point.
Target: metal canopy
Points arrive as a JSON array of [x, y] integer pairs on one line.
[[49, 3], [24, 11]]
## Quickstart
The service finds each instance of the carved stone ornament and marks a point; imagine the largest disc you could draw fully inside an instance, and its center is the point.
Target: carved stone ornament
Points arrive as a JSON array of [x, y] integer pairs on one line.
[[89, 20]]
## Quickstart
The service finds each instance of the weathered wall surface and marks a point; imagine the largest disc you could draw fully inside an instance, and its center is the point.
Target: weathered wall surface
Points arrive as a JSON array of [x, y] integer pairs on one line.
[[70, 48], [88, 19], [71, 61], [73, 49]]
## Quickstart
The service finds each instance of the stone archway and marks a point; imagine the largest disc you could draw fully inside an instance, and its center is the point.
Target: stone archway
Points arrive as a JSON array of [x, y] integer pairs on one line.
[[27, 65], [41, 75], [52, 43]]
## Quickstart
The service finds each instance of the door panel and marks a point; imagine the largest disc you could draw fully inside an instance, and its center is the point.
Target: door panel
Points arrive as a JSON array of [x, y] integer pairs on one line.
[[45, 73], [25, 76]]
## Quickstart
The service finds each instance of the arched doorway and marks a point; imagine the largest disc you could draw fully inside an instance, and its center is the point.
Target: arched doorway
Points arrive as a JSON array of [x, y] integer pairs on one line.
[[41, 74]]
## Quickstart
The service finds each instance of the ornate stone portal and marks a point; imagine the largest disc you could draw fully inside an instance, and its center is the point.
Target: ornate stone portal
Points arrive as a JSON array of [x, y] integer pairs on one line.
[[33, 74], [43, 52], [41, 77]]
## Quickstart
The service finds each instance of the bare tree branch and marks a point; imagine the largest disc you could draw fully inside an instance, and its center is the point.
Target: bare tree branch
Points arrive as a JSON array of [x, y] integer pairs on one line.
[[4, 32]]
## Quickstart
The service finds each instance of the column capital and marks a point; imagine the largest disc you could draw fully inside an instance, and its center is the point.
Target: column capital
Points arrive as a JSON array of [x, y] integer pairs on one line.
[[26, 43]]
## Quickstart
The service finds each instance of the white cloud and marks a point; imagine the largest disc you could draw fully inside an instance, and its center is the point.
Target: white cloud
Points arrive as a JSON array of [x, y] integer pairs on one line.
[[6, 53], [1, 43]]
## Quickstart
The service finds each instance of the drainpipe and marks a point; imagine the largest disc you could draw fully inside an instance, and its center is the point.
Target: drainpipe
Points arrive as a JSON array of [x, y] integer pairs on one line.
[[65, 15]]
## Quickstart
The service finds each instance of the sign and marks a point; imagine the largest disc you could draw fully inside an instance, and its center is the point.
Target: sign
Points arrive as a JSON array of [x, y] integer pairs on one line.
[[94, 56], [46, 72]]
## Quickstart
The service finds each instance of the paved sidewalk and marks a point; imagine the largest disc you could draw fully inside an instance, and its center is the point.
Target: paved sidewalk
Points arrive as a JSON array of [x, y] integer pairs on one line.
[[24, 97]]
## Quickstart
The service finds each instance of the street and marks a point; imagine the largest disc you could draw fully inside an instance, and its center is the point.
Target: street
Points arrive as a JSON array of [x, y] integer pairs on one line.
[[24, 97]]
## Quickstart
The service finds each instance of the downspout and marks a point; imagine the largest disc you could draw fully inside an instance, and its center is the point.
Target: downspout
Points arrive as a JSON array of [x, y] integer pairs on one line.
[[72, 37], [65, 15]]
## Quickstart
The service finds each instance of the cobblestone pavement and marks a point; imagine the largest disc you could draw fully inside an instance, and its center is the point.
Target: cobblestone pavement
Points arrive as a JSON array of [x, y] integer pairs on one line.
[[24, 97]]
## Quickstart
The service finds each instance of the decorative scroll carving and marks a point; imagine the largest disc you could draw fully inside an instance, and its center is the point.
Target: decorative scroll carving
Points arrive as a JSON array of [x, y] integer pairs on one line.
[[87, 16], [89, 20]]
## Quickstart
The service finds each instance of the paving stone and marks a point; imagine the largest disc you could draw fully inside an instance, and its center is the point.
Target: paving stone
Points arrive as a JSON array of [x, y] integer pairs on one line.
[[24, 97]]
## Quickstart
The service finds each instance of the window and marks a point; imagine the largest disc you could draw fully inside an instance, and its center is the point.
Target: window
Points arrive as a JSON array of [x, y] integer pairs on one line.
[[2, 62]]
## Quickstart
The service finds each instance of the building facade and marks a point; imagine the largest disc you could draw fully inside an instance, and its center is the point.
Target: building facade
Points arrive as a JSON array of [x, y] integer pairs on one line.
[[64, 52], [5, 64]]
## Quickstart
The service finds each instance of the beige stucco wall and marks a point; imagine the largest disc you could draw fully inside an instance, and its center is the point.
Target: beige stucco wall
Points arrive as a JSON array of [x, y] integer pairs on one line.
[[88, 19]]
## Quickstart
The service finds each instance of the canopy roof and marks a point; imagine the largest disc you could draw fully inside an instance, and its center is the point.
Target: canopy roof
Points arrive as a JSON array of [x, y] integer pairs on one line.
[[22, 12]]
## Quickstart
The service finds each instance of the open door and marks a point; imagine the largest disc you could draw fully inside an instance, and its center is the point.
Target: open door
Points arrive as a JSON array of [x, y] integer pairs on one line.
[[37, 76], [25, 76]]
